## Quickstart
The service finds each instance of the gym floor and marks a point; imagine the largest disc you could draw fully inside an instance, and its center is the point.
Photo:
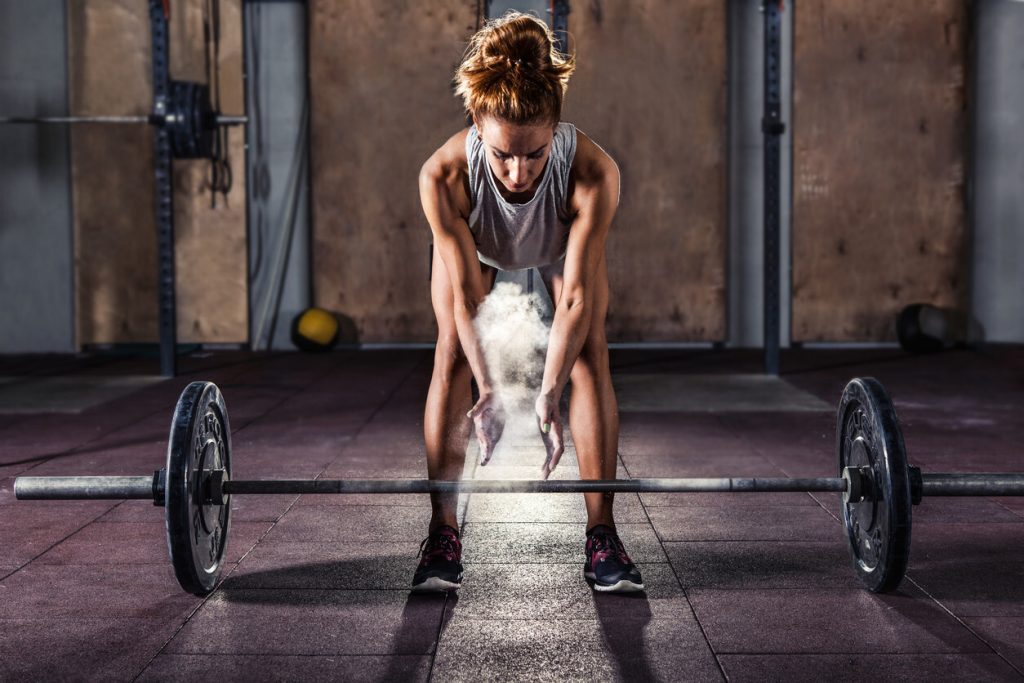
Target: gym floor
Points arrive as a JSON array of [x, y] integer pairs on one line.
[[740, 587]]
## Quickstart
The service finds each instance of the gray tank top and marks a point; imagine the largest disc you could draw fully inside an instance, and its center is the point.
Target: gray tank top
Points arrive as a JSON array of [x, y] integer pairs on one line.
[[515, 236]]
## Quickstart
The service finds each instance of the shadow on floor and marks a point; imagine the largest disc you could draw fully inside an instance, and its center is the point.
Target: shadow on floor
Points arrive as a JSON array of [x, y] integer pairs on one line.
[[623, 619]]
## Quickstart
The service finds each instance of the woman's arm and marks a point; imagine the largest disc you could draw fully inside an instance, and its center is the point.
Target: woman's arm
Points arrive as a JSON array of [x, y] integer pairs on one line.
[[595, 198], [439, 179], [455, 245]]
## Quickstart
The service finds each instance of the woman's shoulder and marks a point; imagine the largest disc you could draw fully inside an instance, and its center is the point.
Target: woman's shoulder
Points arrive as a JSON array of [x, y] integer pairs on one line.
[[591, 163], [449, 158]]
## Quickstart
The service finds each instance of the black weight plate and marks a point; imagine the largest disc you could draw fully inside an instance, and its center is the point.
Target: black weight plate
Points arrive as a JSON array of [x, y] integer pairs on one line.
[[192, 121], [197, 532], [878, 528]]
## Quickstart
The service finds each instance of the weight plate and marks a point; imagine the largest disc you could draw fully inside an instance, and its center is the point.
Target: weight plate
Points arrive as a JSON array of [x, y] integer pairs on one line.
[[191, 120], [878, 528], [197, 531]]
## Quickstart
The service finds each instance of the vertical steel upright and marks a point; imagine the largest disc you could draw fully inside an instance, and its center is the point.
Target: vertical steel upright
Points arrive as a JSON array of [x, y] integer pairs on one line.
[[560, 23], [168, 323], [773, 128]]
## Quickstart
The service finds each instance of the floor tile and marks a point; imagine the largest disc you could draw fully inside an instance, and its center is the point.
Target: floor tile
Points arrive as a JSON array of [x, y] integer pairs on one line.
[[288, 668], [793, 523], [366, 565], [1004, 634], [539, 507], [351, 524], [854, 668], [559, 591], [962, 510], [763, 565], [828, 621], [30, 528], [557, 650], [494, 543], [122, 543], [312, 622], [976, 570], [109, 649], [95, 591]]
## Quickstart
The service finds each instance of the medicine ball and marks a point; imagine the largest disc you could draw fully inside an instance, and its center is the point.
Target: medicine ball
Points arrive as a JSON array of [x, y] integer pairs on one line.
[[922, 328], [315, 330]]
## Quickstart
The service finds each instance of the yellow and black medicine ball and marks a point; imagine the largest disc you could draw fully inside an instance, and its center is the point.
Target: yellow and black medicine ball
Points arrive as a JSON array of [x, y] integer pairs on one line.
[[315, 330]]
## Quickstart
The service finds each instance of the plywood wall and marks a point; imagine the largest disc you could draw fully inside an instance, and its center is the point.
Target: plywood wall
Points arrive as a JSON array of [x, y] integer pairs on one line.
[[650, 89], [879, 156], [112, 176], [381, 104]]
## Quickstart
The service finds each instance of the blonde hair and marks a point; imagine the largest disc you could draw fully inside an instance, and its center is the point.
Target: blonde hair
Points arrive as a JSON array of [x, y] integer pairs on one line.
[[512, 70]]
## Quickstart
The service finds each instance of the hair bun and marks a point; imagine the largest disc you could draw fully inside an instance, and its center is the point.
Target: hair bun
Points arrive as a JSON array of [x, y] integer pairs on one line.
[[513, 70]]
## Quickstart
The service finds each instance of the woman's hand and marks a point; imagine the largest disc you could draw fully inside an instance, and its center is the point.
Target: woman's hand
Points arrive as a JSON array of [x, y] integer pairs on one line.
[[549, 419], [488, 417]]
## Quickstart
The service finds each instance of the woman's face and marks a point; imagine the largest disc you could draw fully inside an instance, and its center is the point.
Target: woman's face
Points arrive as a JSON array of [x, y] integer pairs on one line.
[[516, 153]]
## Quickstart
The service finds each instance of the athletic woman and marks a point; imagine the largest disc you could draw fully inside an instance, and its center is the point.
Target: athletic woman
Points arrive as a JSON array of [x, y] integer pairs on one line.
[[520, 189]]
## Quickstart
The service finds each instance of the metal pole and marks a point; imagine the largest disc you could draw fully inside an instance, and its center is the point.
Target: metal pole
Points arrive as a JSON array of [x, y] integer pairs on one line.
[[221, 119], [168, 318], [988, 484], [717, 485], [773, 128], [78, 488], [75, 119]]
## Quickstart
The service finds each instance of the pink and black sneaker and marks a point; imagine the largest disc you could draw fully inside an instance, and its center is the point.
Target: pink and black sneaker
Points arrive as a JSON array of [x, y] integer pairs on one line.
[[440, 567], [608, 565]]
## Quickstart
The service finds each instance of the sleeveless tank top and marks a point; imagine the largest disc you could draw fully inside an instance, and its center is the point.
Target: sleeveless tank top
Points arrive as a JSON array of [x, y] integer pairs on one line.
[[535, 233]]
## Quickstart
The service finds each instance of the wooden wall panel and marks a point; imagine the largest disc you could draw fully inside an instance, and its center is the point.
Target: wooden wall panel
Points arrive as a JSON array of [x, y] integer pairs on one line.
[[381, 104], [112, 180], [879, 154], [651, 89]]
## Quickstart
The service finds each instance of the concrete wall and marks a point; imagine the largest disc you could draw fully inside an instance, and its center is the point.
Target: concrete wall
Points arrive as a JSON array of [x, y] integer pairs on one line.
[[998, 273], [35, 209]]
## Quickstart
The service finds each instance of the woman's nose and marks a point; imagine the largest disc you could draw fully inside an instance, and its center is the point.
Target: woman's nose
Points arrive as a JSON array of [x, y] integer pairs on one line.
[[518, 172]]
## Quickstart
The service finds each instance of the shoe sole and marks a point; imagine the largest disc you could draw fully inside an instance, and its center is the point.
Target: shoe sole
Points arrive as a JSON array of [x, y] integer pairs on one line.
[[623, 586], [435, 585]]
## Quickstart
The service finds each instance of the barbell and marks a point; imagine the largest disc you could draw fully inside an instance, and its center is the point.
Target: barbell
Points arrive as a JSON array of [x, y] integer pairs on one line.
[[188, 116], [878, 486]]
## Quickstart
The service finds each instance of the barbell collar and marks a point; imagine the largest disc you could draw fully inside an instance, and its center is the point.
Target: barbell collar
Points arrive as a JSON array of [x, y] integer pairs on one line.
[[987, 484]]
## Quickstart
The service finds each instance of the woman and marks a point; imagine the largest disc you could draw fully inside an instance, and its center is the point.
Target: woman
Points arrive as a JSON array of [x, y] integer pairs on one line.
[[520, 189]]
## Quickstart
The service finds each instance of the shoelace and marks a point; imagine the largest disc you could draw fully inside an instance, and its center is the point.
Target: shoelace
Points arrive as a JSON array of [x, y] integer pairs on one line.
[[605, 545], [438, 545]]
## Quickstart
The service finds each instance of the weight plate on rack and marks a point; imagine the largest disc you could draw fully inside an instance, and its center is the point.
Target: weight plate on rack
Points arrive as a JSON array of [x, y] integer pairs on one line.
[[197, 529], [878, 527], [191, 120]]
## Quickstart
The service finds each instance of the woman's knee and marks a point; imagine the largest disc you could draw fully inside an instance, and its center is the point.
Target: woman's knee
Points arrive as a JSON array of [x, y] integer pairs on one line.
[[449, 358], [593, 359]]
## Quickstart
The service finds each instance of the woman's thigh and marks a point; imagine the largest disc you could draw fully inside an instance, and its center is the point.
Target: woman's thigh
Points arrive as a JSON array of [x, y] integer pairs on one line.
[[552, 276], [442, 295]]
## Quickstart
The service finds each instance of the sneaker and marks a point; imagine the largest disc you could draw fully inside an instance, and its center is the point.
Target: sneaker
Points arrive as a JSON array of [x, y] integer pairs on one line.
[[608, 565], [440, 567]]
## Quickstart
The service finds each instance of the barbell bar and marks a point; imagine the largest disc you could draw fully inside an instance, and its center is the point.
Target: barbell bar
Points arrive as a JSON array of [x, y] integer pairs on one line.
[[186, 113], [878, 486], [153, 119], [148, 487]]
